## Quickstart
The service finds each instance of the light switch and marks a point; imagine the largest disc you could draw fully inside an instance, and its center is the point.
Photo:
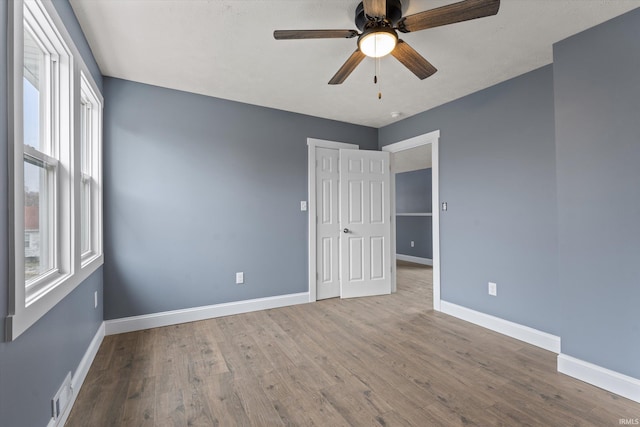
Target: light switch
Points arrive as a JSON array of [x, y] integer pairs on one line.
[[303, 205], [239, 278]]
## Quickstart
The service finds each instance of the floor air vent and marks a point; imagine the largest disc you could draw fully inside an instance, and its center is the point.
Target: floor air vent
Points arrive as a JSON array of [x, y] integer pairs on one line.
[[61, 400]]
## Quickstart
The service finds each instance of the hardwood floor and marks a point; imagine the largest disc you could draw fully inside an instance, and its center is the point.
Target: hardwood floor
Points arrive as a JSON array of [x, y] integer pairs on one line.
[[388, 360]]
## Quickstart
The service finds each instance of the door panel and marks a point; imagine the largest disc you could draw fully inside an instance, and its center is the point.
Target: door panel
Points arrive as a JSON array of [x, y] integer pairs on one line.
[[376, 191], [365, 256], [328, 224], [327, 254], [377, 258], [355, 257], [355, 202], [327, 198], [355, 165]]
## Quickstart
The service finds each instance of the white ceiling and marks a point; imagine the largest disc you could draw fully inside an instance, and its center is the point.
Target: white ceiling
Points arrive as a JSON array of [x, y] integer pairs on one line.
[[225, 49], [412, 159]]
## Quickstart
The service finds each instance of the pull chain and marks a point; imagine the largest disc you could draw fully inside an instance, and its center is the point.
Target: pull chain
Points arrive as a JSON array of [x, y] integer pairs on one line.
[[376, 65], [376, 79]]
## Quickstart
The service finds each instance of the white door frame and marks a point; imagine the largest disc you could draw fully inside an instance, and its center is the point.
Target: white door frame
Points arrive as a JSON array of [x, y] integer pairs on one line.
[[428, 138], [312, 143]]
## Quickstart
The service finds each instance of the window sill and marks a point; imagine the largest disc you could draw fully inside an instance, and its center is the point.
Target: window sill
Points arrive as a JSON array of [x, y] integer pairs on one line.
[[88, 258], [17, 323]]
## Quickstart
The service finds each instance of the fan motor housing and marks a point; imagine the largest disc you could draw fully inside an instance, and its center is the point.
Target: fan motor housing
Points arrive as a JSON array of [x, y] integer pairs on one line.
[[394, 13]]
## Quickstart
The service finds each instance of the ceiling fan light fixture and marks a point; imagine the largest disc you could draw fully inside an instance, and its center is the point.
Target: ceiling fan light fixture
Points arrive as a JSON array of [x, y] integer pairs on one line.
[[378, 42], [379, 21]]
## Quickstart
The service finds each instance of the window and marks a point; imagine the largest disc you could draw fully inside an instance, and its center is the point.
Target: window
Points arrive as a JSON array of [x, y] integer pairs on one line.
[[46, 112], [39, 216], [85, 178], [39, 85], [55, 149], [90, 130]]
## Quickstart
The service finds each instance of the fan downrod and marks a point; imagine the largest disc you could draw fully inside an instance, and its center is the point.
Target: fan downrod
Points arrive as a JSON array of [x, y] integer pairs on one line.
[[394, 14]]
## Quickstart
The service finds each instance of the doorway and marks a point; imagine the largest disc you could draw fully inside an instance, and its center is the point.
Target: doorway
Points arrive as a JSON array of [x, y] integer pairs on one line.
[[426, 144]]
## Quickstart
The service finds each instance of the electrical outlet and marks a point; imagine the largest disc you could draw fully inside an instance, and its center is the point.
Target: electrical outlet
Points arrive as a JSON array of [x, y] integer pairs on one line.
[[95, 299], [413, 244], [493, 289], [239, 278]]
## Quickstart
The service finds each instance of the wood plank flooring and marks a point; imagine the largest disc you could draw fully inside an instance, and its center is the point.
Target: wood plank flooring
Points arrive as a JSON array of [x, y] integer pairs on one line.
[[378, 361]]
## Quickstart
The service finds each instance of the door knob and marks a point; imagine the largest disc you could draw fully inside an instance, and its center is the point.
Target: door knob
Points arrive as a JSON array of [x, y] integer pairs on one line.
[[346, 230]]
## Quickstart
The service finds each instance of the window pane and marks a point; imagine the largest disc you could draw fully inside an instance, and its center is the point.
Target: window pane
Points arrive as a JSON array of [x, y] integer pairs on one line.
[[32, 90], [85, 215], [37, 220], [84, 137], [85, 188]]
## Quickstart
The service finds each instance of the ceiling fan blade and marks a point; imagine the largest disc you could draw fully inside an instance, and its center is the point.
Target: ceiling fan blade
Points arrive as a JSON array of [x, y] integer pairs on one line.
[[347, 68], [450, 14], [413, 60], [313, 34], [375, 8]]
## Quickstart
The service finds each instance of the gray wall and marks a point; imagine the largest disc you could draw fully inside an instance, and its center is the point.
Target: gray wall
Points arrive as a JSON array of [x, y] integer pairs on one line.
[[597, 100], [413, 191], [199, 188], [33, 367], [497, 173], [413, 194], [418, 230], [541, 177]]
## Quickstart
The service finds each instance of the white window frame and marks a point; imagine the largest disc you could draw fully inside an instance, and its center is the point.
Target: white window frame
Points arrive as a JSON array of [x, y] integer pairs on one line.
[[28, 302], [50, 164], [92, 176], [85, 176]]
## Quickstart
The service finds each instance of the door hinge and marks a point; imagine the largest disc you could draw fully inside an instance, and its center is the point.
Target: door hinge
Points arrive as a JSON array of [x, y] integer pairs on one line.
[[317, 275]]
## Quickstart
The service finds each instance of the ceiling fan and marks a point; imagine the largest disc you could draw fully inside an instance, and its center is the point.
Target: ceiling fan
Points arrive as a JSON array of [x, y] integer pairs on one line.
[[380, 21]]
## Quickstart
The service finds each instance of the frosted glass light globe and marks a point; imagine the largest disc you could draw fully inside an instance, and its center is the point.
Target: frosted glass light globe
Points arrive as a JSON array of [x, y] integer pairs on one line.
[[378, 43]]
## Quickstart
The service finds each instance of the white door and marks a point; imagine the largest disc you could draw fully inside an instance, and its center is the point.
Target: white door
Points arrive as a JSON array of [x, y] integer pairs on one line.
[[327, 223], [365, 223]]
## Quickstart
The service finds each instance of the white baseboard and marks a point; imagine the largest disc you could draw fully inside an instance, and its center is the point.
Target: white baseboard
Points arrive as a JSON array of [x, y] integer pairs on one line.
[[135, 323], [505, 327], [80, 374], [598, 376], [174, 317], [414, 259]]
